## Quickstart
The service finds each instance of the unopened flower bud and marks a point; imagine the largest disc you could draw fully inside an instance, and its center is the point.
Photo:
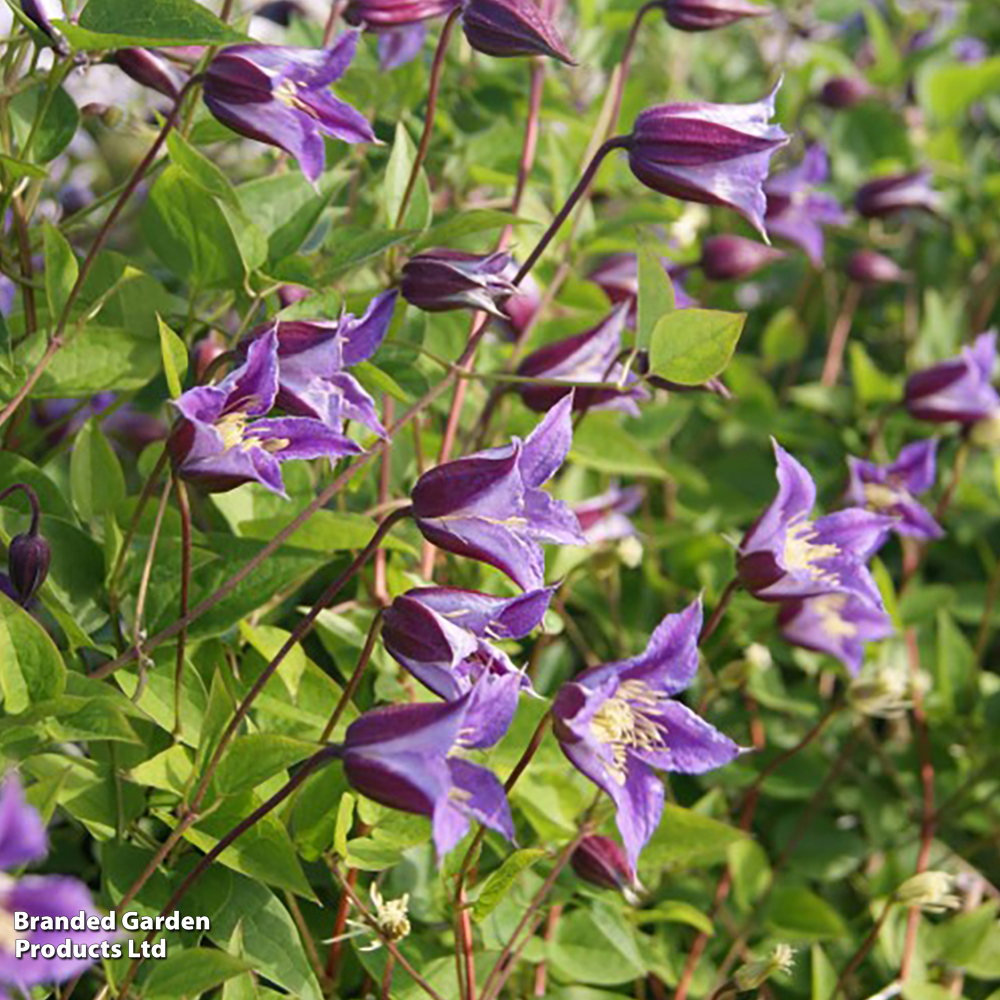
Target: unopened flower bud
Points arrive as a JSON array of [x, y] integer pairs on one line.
[[41, 13], [396, 13], [867, 267], [753, 975], [149, 69], [932, 891], [507, 28], [890, 195], [707, 15], [28, 561], [845, 91], [441, 280], [732, 258], [602, 861]]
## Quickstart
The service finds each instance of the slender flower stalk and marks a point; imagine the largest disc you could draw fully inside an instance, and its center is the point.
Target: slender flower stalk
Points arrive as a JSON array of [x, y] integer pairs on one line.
[[834, 360], [184, 507]]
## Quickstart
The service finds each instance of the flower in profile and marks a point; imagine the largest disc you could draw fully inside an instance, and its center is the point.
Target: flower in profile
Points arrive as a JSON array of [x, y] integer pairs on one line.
[[509, 28], [796, 211], [617, 722], [958, 389], [28, 558], [23, 841], [868, 267], [41, 14], [398, 46], [841, 92], [733, 258], [602, 862], [406, 757], [787, 555], [892, 489], [707, 15], [397, 13], [223, 438], [836, 624], [490, 506], [445, 637], [753, 975], [897, 193], [933, 892], [716, 154], [591, 356], [605, 518], [522, 307], [313, 356], [281, 96], [442, 280], [149, 69]]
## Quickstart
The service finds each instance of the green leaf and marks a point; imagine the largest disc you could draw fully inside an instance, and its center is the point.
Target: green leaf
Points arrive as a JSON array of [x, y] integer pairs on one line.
[[61, 269], [375, 381], [95, 473], [55, 131], [350, 246], [693, 345], [397, 176], [325, 531], [948, 89], [253, 759], [175, 358], [17, 169], [675, 911], [500, 882], [824, 975], [200, 169], [345, 820], [656, 294], [602, 443], [468, 223], [785, 338], [870, 383], [799, 912], [113, 24], [31, 669], [190, 972], [686, 838]]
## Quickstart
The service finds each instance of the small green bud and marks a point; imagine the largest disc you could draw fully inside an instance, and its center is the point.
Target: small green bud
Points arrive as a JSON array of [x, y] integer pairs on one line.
[[754, 974]]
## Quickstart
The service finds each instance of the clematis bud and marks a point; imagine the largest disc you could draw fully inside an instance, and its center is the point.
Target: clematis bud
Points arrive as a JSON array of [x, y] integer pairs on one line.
[[441, 280], [845, 91], [958, 389], [522, 307], [396, 13], [149, 69], [41, 13], [867, 267], [933, 892], [507, 28], [716, 154], [707, 15], [602, 861], [28, 562], [732, 258], [897, 193]]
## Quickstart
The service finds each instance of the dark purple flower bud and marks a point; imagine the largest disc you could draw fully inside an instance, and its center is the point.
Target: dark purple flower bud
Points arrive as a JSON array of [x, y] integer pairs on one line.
[[522, 307], [841, 92], [28, 561], [279, 12], [716, 154], [442, 280], [150, 70], [898, 193], [707, 15], [867, 267], [591, 356], [133, 429], [508, 28], [281, 96], [787, 555], [41, 13], [958, 389], [397, 13], [602, 862], [732, 258]]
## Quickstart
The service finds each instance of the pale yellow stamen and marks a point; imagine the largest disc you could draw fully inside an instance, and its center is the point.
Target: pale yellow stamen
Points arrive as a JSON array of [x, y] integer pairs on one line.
[[231, 428], [288, 93], [829, 608], [880, 497], [801, 553], [622, 723]]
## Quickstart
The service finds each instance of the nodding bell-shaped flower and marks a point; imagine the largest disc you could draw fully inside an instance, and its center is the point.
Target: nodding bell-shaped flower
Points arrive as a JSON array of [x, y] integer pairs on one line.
[[868, 267], [442, 280], [733, 258], [788, 555], [841, 92], [397, 13], [445, 637], [281, 96], [28, 559], [602, 862], [892, 489], [958, 389], [313, 356], [406, 757], [508, 28], [836, 624], [150, 70], [591, 356], [716, 154], [618, 722], [898, 193], [490, 506], [224, 438], [707, 15]]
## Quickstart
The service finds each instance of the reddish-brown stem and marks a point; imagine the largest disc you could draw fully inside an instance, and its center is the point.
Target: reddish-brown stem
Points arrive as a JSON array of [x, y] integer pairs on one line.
[[834, 360], [350, 689], [339, 926], [617, 91], [541, 974], [390, 963], [720, 609], [27, 267], [33, 503], [859, 956], [384, 480], [336, 9], [465, 944], [185, 510], [958, 470]]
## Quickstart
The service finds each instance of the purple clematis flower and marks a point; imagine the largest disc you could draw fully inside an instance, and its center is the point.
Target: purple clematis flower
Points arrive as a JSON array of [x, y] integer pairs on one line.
[[604, 518], [890, 489], [602, 862], [897, 193], [223, 438], [444, 637], [490, 506], [397, 13], [41, 13], [442, 280], [841, 92], [281, 96], [149, 69], [619, 721], [398, 46], [733, 258], [618, 277], [22, 841], [591, 356], [868, 267], [796, 212], [313, 356], [787, 555], [708, 15], [837, 624], [716, 154], [958, 389], [510, 28], [404, 756]]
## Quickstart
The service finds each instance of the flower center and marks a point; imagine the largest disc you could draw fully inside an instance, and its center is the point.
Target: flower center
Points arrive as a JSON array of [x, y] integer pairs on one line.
[[232, 429], [801, 552], [880, 497], [829, 608], [623, 723], [288, 93]]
